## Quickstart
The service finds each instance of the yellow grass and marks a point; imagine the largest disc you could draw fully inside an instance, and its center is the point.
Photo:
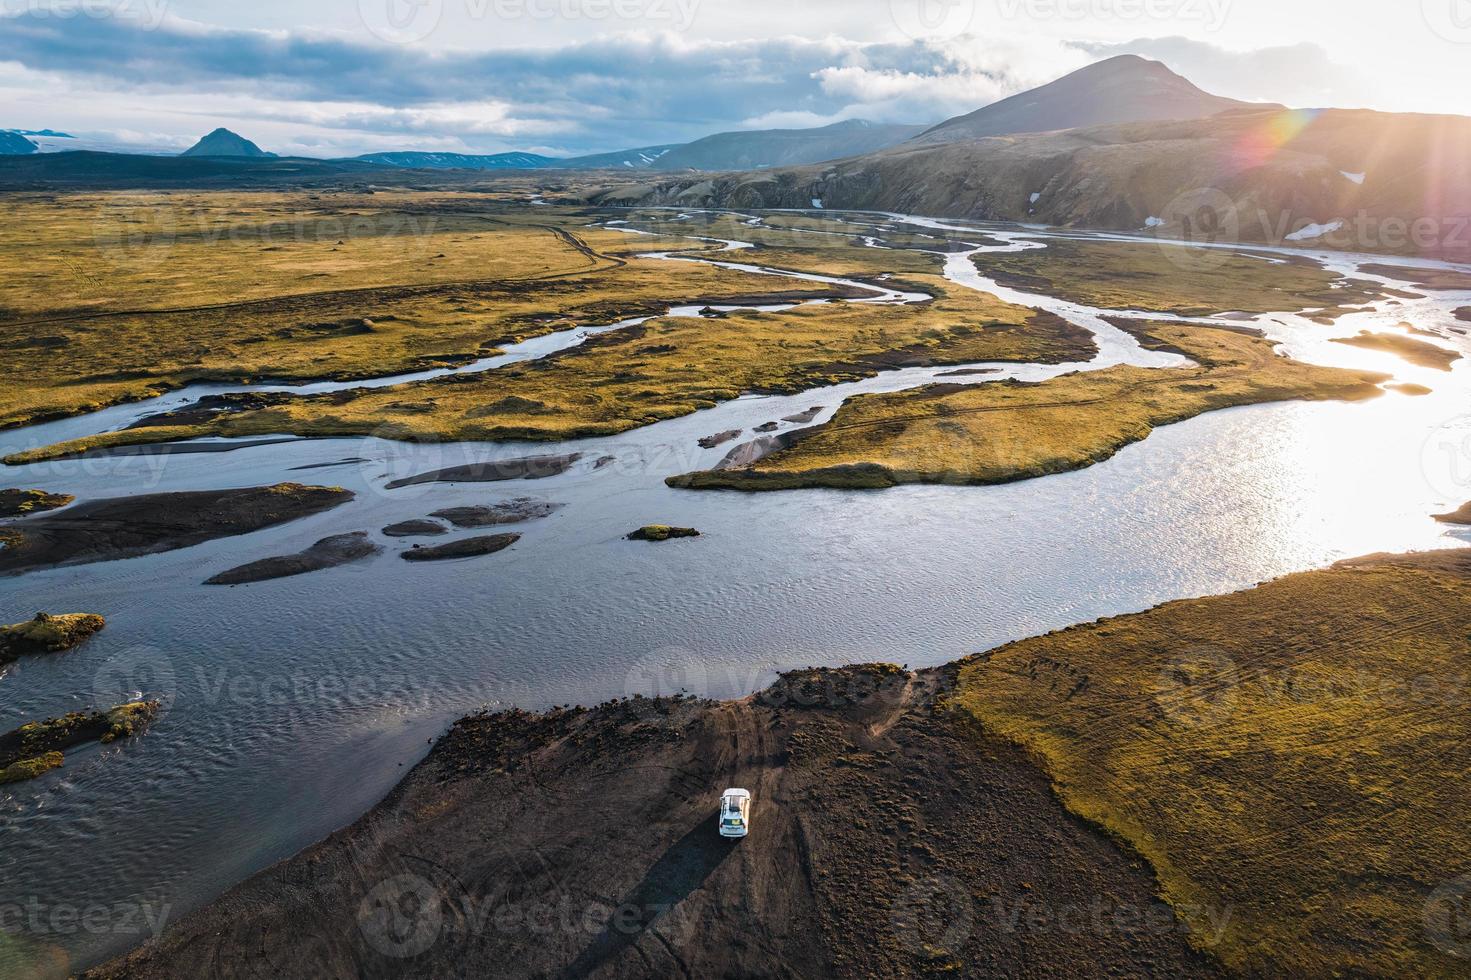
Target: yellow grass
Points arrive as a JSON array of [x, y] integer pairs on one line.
[[1295, 759], [664, 369], [1003, 431]]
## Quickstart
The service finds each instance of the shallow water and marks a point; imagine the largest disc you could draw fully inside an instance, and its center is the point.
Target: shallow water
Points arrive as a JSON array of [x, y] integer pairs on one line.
[[292, 706]]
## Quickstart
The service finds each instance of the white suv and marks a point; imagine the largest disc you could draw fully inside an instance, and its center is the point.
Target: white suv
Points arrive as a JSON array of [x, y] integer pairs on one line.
[[735, 813]]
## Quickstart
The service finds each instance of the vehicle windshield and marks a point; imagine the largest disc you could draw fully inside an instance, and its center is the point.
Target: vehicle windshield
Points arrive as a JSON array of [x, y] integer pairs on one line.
[[733, 806]]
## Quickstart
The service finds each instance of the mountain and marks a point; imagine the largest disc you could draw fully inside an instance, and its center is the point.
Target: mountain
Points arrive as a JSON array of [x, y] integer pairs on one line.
[[459, 161], [14, 144], [753, 150], [1123, 89], [90, 169], [223, 143], [642, 158], [760, 149], [1383, 182]]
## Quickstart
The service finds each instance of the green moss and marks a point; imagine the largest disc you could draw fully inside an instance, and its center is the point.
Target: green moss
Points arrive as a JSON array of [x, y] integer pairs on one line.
[[31, 768], [47, 634], [1004, 431], [662, 532], [1293, 755], [1170, 279], [39, 738], [19, 503]]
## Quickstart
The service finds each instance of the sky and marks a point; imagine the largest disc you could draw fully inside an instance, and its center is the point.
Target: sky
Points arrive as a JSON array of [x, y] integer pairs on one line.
[[562, 77]]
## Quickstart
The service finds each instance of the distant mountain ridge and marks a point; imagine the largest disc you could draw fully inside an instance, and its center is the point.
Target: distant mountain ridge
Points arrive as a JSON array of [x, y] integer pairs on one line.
[[760, 149], [737, 150], [1119, 90], [458, 161], [223, 143], [14, 144], [640, 158], [1345, 179]]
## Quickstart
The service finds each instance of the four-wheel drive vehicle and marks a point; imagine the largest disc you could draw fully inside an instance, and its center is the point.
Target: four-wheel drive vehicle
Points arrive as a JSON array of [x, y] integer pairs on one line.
[[735, 813]]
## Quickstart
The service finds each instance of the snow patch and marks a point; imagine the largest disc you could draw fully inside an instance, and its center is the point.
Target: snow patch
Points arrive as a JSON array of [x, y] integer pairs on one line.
[[817, 202], [1356, 178], [1153, 222], [1036, 196], [1314, 231]]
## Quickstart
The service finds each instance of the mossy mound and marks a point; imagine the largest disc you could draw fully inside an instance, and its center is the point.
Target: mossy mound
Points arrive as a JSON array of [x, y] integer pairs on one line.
[[662, 532], [19, 503], [31, 768], [1461, 516], [36, 748], [47, 634]]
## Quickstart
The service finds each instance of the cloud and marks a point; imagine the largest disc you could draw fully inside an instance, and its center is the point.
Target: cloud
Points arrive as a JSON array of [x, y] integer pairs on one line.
[[1302, 75], [608, 93], [329, 93]]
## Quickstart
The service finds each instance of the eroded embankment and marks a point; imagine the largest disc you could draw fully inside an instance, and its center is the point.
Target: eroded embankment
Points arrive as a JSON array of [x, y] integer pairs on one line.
[[890, 837]]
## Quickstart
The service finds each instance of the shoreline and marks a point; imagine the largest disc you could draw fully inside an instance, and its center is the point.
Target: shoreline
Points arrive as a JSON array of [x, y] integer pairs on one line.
[[884, 804]]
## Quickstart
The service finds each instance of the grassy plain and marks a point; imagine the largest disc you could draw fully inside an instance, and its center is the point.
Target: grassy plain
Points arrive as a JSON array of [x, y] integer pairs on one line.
[[663, 369], [1003, 431], [114, 297], [1293, 758], [1167, 278]]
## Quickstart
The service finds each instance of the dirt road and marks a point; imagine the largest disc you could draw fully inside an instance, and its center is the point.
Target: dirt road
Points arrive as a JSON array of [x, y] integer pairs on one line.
[[889, 839]]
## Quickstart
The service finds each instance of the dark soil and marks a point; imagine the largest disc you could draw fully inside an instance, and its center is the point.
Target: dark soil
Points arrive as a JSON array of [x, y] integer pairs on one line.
[[719, 438], [889, 838], [415, 529], [126, 527], [467, 548], [516, 511], [494, 471], [804, 417], [327, 553]]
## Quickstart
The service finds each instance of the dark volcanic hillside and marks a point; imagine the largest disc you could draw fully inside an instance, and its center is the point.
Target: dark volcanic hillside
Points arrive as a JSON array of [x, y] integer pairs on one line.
[[15, 144], [223, 143], [1395, 183], [783, 147], [457, 161], [1123, 89]]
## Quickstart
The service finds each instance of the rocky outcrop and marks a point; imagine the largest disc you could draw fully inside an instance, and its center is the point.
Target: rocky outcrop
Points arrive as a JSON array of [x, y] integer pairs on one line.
[[662, 532], [47, 634], [35, 749], [332, 552], [466, 548]]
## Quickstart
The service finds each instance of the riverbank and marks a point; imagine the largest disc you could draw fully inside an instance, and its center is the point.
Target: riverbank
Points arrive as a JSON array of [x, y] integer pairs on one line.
[[898, 830], [1004, 431], [890, 838]]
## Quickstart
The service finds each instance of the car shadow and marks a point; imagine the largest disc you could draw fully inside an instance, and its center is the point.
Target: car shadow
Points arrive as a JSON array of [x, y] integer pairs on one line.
[[678, 873]]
